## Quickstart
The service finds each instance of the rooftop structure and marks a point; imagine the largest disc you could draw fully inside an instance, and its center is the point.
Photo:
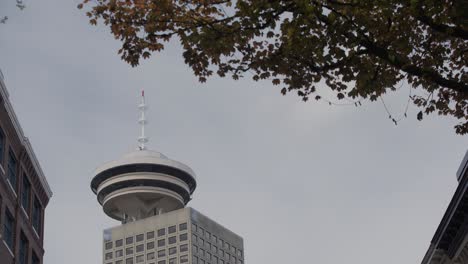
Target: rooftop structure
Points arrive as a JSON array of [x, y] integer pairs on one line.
[[142, 183]]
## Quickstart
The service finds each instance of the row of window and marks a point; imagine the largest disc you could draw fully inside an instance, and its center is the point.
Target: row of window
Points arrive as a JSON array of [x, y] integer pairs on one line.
[[150, 246], [9, 237], [141, 259], [215, 257], [160, 243], [151, 255], [150, 235], [203, 234], [214, 260], [26, 194]]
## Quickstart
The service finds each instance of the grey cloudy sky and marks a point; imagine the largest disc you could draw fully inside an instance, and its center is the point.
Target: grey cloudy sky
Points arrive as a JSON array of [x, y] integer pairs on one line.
[[301, 182]]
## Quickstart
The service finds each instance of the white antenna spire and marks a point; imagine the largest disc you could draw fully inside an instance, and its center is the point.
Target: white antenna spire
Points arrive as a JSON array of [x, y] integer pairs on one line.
[[142, 140]]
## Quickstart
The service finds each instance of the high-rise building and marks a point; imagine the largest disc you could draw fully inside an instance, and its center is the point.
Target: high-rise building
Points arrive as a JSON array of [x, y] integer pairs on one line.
[[24, 191], [148, 192]]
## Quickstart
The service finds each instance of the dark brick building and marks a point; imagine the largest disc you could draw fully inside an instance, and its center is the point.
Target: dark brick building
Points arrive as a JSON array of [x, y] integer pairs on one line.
[[24, 192]]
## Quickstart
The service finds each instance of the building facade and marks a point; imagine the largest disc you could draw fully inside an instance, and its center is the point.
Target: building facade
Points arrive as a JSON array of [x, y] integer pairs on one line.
[[148, 192], [450, 242], [180, 236], [24, 192]]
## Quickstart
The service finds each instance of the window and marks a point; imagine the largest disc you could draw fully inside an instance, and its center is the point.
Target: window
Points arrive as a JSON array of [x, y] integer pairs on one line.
[[150, 256], [37, 208], [140, 248], [119, 243], [129, 261], [35, 259], [194, 228], [161, 232], [129, 251], [172, 240], [150, 235], [108, 256], [8, 229], [183, 227], [23, 251], [194, 249], [108, 245], [172, 229], [215, 239], [183, 237], [173, 261], [183, 248], [140, 238], [172, 250], [119, 253], [2, 145], [208, 235], [119, 262], [161, 253], [161, 242], [140, 258], [12, 169], [129, 240], [162, 262], [201, 231], [184, 259], [26, 194], [149, 245]]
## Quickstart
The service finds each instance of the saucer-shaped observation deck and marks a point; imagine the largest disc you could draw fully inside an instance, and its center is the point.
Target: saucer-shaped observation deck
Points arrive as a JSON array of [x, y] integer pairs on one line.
[[142, 183]]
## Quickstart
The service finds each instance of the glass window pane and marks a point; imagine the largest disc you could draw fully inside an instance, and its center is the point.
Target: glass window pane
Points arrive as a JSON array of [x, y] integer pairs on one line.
[[161, 232], [140, 238], [172, 229], [119, 243], [172, 240]]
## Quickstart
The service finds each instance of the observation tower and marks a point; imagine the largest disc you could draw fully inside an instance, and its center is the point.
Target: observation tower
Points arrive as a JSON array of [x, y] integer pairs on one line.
[[148, 192], [142, 183]]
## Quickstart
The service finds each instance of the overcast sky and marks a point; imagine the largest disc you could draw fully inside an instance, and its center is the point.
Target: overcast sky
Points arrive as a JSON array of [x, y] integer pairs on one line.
[[301, 182]]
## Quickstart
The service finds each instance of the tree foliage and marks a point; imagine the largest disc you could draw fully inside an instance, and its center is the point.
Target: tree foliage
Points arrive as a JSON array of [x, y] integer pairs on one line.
[[19, 4], [358, 48]]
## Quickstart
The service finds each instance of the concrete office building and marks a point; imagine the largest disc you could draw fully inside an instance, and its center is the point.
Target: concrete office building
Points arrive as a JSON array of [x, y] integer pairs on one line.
[[24, 191], [148, 192], [449, 244]]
